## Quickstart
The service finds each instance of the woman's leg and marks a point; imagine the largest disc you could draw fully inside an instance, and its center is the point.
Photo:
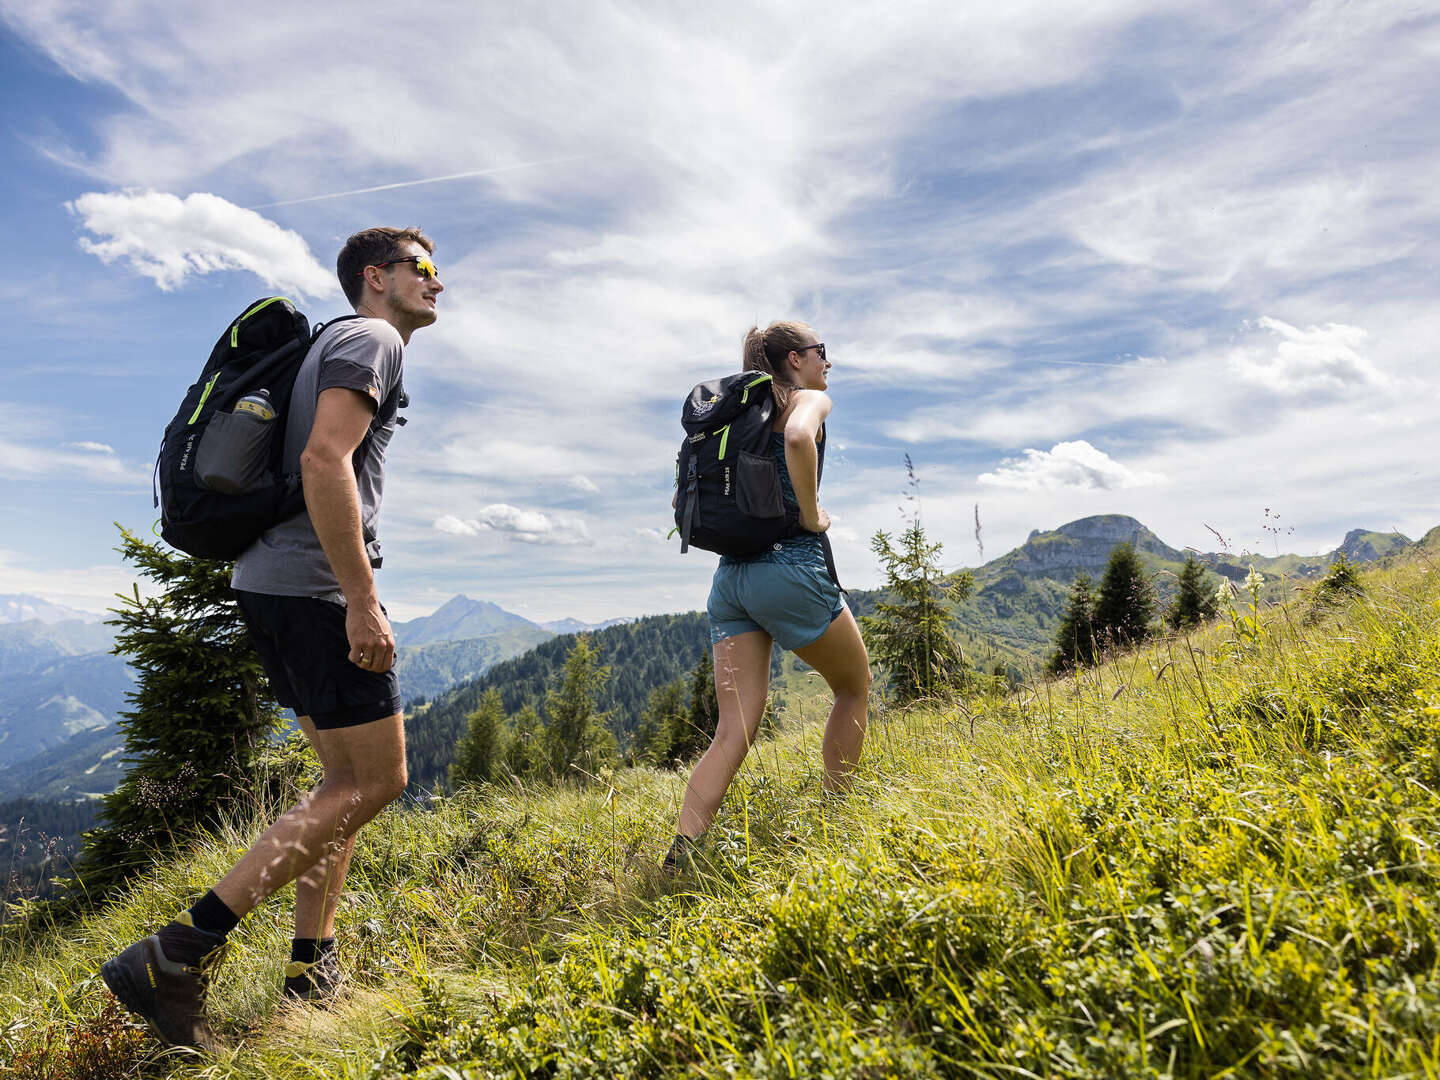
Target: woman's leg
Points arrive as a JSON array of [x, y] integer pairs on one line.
[[840, 658], [742, 680]]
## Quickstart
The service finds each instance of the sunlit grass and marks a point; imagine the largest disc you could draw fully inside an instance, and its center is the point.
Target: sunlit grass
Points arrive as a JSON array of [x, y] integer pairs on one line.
[[1213, 856]]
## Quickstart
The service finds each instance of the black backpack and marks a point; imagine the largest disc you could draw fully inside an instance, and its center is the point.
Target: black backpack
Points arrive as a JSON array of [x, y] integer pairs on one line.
[[209, 438], [730, 500]]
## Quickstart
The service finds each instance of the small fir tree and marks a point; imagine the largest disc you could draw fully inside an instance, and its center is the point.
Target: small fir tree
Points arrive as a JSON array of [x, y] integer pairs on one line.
[[1195, 600], [1341, 581], [1075, 640], [651, 743], [1126, 604], [200, 715], [475, 752], [691, 731], [909, 635], [575, 736], [523, 756]]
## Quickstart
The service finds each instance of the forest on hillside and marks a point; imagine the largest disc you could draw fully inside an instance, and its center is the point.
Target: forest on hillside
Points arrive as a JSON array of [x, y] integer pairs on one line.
[[642, 656]]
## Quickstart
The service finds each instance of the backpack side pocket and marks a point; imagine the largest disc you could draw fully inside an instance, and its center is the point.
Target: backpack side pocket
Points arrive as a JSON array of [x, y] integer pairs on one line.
[[757, 484], [234, 453]]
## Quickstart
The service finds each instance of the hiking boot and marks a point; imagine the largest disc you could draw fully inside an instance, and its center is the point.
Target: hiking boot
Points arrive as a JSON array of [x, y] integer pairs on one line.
[[164, 978], [680, 857], [314, 981]]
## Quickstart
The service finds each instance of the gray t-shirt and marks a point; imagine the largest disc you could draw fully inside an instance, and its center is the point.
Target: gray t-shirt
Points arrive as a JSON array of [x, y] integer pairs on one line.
[[359, 354]]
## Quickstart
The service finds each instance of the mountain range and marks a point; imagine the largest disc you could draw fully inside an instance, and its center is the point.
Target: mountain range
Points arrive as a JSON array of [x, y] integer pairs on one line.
[[62, 689]]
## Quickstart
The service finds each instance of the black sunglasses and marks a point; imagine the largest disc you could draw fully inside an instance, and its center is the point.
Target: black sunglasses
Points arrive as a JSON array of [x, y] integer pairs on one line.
[[818, 345]]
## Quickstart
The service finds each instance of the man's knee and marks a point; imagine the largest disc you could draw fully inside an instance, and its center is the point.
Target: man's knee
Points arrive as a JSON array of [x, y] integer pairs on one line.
[[384, 788]]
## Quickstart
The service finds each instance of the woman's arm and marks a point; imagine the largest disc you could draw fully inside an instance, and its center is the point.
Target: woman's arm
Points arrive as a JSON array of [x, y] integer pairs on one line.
[[808, 411]]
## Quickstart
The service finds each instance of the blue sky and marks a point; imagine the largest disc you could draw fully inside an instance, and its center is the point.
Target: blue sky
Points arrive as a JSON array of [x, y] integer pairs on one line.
[[1170, 260]]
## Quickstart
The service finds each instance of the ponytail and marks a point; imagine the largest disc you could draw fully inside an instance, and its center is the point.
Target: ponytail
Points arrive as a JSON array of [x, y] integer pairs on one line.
[[766, 350]]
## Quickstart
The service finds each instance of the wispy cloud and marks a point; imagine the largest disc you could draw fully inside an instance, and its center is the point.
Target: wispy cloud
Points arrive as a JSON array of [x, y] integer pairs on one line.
[[470, 175], [169, 239], [92, 460]]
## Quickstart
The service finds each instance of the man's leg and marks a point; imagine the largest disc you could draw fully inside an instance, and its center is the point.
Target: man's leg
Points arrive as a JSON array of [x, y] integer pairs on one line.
[[313, 972], [369, 772], [163, 978]]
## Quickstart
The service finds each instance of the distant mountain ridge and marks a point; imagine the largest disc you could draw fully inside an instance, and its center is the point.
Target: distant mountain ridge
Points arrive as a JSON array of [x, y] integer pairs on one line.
[[575, 626], [22, 607], [459, 619], [1019, 596], [60, 689]]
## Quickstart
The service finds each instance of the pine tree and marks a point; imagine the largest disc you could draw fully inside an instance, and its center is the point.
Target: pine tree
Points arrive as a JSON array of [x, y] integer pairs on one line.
[[475, 752], [200, 713], [691, 731], [1075, 641], [909, 634], [524, 755], [575, 736], [651, 742], [1126, 604], [1194, 601]]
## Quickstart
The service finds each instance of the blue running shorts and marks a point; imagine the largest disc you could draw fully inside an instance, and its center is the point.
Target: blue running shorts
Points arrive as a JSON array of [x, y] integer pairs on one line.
[[793, 604]]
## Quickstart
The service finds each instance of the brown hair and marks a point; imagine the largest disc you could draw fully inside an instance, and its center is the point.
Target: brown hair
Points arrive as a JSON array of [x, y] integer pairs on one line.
[[766, 350], [369, 247]]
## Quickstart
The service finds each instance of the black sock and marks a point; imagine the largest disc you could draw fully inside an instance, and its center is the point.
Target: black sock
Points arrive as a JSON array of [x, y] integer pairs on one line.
[[210, 914], [307, 949]]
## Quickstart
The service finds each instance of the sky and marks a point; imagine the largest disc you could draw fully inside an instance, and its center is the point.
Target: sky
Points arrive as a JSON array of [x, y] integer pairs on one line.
[[1174, 261]]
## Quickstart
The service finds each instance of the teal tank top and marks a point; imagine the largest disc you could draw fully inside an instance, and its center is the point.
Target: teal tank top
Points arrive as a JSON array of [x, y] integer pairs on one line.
[[804, 549]]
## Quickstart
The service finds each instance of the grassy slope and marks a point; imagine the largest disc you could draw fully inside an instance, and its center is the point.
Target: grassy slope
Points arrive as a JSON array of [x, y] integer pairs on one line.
[[1212, 855]]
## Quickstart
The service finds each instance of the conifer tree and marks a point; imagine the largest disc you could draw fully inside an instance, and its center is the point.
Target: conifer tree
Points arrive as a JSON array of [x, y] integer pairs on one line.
[[909, 635], [200, 713], [1194, 601], [691, 731], [1075, 640], [651, 743], [476, 751], [575, 736], [1126, 604], [524, 755]]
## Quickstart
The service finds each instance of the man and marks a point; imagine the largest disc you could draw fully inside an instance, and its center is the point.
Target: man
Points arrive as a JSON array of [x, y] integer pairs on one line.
[[307, 591]]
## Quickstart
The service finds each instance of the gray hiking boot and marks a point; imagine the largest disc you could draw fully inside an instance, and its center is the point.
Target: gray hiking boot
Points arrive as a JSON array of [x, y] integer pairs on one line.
[[163, 980], [681, 857], [314, 982]]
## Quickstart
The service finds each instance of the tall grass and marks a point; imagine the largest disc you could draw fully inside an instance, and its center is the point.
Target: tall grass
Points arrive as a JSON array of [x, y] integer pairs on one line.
[[1212, 857]]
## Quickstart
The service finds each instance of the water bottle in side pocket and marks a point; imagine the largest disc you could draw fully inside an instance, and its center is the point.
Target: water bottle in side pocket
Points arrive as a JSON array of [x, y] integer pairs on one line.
[[234, 456]]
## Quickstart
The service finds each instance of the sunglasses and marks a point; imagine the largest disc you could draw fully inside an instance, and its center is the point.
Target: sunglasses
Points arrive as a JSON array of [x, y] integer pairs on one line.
[[818, 345], [423, 266]]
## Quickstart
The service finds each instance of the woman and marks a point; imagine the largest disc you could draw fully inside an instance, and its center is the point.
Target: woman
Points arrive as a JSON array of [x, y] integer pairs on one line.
[[785, 595]]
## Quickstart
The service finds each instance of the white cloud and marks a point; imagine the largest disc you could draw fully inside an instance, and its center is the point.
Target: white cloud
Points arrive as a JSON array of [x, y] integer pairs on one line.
[[95, 461], [1068, 465], [1318, 360], [523, 526], [581, 482], [168, 239]]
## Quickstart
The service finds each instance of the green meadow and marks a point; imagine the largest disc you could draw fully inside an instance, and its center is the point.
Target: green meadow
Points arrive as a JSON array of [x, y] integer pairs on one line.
[[1211, 857]]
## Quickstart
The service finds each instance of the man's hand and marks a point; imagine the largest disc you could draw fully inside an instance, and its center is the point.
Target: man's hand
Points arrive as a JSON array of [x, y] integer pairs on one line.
[[817, 524], [372, 644]]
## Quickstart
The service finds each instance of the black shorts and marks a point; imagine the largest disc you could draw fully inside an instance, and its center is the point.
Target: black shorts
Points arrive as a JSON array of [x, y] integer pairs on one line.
[[301, 641]]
